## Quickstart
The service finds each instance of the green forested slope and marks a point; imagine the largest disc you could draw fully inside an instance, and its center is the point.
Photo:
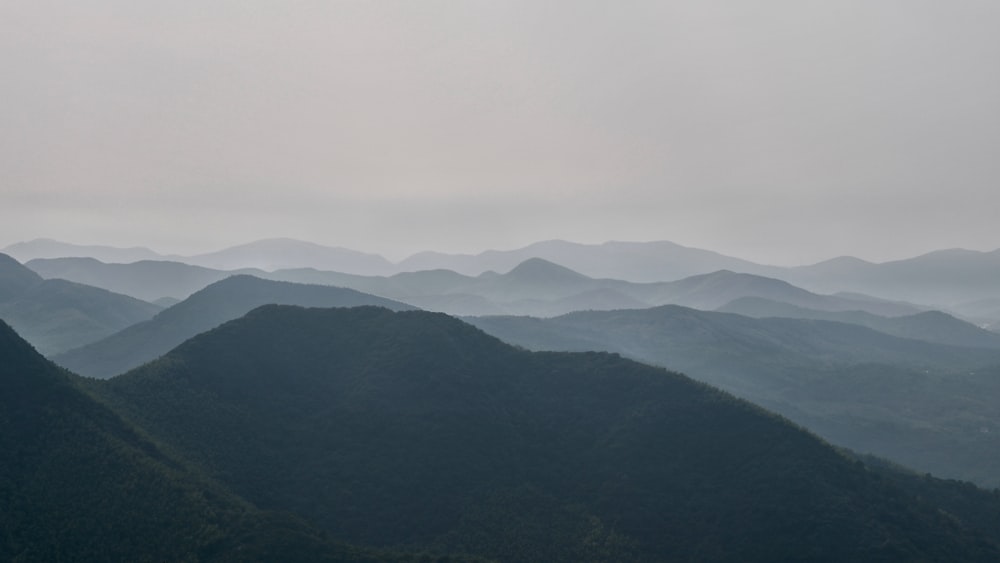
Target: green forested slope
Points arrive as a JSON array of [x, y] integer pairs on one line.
[[77, 483], [414, 429]]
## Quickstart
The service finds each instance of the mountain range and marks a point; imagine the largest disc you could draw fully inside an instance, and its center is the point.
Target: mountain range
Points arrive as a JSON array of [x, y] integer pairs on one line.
[[534, 287], [221, 301], [959, 280], [927, 405], [79, 483], [415, 429], [57, 315]]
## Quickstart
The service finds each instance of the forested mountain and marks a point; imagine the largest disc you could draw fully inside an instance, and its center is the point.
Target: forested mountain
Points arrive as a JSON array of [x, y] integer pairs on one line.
[[77, 483], [57, 315], [928, 406], [415, 429], [222, 301], [148, 280]]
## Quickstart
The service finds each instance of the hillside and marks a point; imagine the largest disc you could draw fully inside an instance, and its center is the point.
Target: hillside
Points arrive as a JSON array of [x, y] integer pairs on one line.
[[222, 301], [57, 315], [928, 406], [416, 429], [80, 484]]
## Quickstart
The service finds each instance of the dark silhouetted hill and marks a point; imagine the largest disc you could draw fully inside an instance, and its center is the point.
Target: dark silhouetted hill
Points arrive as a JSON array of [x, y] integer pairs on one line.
[[415, 429], [78, 483]]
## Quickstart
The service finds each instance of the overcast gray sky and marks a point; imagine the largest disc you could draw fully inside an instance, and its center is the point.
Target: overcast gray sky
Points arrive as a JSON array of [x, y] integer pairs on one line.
[[782, 131]]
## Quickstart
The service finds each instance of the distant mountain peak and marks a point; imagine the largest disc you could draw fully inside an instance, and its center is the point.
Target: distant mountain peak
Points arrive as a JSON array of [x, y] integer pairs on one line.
[[539, 269]]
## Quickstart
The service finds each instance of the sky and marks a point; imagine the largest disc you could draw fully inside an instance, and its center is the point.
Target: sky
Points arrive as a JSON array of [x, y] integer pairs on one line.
[[781, 131]]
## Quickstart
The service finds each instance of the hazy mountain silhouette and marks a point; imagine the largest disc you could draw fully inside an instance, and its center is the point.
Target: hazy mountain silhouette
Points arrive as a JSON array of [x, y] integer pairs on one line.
[[416, 429], [632, 261], [15, 279], [48, 248], [147, 279], [222, 301], [929, 406], [57, 315], [284, 253], [77, 482], [944, 277], [538, 287], [930, 326]]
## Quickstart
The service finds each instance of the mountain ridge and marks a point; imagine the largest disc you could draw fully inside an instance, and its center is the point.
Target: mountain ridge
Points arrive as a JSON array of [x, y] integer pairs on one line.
[[494, 439]]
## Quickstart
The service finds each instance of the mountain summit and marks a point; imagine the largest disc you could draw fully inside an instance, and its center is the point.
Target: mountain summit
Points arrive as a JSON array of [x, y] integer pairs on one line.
[[413, 428]]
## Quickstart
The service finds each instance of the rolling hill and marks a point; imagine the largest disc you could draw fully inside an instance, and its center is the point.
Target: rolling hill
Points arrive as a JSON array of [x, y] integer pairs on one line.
[[416, 429], [79, 483], [928, 406], [147, 279], [541, 288], [222, 301], [57, 315], [929, 326]]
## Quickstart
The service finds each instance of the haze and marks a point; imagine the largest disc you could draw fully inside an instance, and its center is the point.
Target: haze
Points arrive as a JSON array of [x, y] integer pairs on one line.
[[785, 131]]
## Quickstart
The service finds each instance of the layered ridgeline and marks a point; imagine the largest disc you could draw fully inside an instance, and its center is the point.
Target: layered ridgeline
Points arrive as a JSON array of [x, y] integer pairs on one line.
[[541, 288], [413, 428], [927, 405], [929, 326], [56, 315], [534, 287], [78, 483], [222, 301], [149, 280]]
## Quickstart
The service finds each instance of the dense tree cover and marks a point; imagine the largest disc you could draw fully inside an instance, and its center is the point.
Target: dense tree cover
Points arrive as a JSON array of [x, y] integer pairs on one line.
[[77, 483], [929, 406], [414, 429], [221, 301]]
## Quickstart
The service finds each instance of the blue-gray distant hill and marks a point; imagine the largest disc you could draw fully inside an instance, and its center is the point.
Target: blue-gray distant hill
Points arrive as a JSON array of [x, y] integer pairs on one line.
[[148, 280], [222, 301], [414, 429], [929, 326], [48, 248], [944, 278], [926, 405], [284, 253], [57, 315], [541, 288], [633, 261]]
